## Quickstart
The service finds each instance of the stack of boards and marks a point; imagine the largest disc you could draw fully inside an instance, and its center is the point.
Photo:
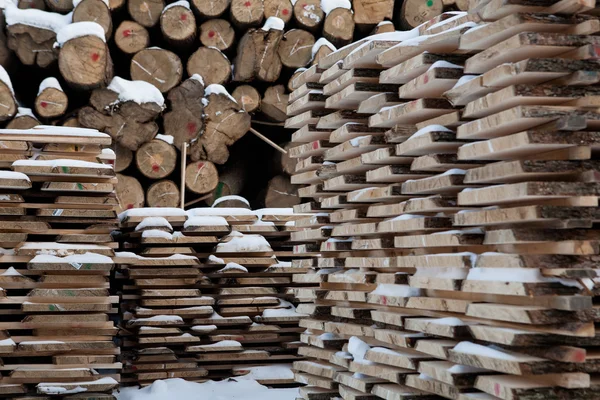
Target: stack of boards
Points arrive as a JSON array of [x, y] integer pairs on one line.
[[57, 212], [207, 294], [453, 181]]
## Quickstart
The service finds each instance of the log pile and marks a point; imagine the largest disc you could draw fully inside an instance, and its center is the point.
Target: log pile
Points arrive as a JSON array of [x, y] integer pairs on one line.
[[77, 64], [453, 180], [207, 293], [57, 212]]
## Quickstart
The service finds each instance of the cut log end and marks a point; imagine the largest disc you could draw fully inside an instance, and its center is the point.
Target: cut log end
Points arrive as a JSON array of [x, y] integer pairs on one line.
[[210, 9], [33, 46], [156, 159], [415, 12], [274, 103], [212, 65], [131, 37], [163, 193], [145, 12], [159, 67], [124, 158], [95, 11], [178, 26], [59, 6], [281, 193], [23, 122], [184, 121], [51, 103], [309, 15], [217, 33], [8, 104], [339, 27], [295, 48], [129, 193], [247, 97], [201, 177], [247, 13], [282, 9], [85, 63]]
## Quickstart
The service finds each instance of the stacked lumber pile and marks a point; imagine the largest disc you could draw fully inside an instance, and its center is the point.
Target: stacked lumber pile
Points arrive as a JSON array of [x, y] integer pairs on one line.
[[207, 294], [162, 76], [57, 212], [454, 180]]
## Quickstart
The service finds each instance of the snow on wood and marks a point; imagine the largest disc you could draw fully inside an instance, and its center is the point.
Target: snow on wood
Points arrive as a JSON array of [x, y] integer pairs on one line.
[[273, 23], [11, 271], [245, 243], [329, 5], [225, 212], [230, 197], [24, 111], [61, 162], [442, 272], [224, 343], [49, 83], [429, 128], [153, 212], [464, 79], [318, 44], [153, 221], [165, 138], [358, 349], [163, 318], [204, 328], [197, 78], [156, 233], [444, 64], [13, 175], [264, 372], [79, 29], [233, 267], [5, 78], [87, 258], [215, 88], [49, 130], [36, 18], [181, 3], [205, 221], [392, 290], [59, 389], [215, 260], [233, 389], [485, 351], [137, 91]]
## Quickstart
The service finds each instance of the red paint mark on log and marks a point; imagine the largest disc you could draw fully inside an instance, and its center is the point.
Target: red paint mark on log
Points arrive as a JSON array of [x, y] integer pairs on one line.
[[191, 128], [155, 167], [95, 56], [44, 104], [211, 34], [247, 4], [285, 11], [129, 206], [127, 33], [183, 17]]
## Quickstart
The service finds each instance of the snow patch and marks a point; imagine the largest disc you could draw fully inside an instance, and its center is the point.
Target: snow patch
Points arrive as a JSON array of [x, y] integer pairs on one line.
[[79, 29], [165, 138], [215, 88], [153, 221], [230, 197], [37, 18], [319, 43], [273, 23], [137, 91], [5, 78], [181, 3], [49, 83], [329, 5], [205, 221], [392, 290]]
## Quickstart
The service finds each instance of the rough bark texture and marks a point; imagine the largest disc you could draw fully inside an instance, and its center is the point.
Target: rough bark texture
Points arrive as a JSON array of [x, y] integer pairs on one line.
[[183, 121], [224, 124], [257, 56], [129, 123], [33, 46]]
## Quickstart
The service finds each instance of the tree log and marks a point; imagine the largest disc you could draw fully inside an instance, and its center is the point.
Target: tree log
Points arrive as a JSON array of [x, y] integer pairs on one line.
[[145, 12], [274, 103], [8, 103], [159, 67], [201, 177], [51, 102], [95, 11], [283, 163], [163, 193], [384, 27], [339, 27], [116, 5], [33, 46], [280, 193], [295, 48], [309, 15], [129, 123], [224, 124], [217, 33], [85, 62], [257, 56], [131, 37], [282, 9], [129, 193], [184, 120], [231, 181], [247, 97], [212, 65], [23, 120], [210, 9], [124, 158], [6, 56], [324, 49], [369, 12], [414, 12], [35, 4], [247, 13], [59, 6], [156, 159], [178, 26]]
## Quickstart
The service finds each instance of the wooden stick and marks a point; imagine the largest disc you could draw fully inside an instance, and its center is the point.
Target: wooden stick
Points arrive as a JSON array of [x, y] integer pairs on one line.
[[182, 181], [267, 140], [198, 200]]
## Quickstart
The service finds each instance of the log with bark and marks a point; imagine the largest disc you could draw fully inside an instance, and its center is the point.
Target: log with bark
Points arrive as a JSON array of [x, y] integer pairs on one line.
[[125, 110], [183, 121], [225, 122]]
